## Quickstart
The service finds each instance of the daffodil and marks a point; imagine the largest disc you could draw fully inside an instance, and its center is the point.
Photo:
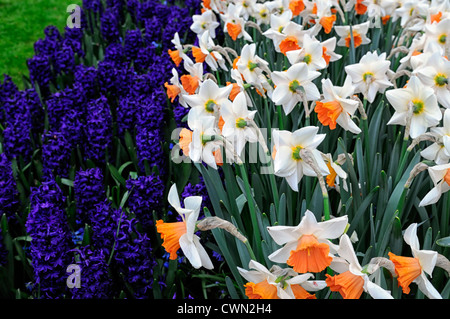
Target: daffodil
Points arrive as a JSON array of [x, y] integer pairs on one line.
[[416, 102], [178, 55], [178, 235], [434, 72], [278, 283], [251, 65], [311, 53], [307, 246], [440, 175], [203, 144], [409, 8], [206, 53], [328, 47], [288, 148], [352, 279], [337, 174], [439, 151], [237, 127], [245, 8], [261, 13], [210, 98], [234, 24], [176, 89], [437, 36], [336, 107], [369, 75], [206, 21], [294, 85], [415, 269], [359, 32]]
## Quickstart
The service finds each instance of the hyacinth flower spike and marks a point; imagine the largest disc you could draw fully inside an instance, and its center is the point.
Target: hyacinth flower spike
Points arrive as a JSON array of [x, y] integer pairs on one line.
[[414, 269], [278, 283], [307, 246], [353, 279], [181, 234]]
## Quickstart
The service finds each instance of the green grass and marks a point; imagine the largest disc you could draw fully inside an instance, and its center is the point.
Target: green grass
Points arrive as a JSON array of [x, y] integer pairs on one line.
[[22, 24]]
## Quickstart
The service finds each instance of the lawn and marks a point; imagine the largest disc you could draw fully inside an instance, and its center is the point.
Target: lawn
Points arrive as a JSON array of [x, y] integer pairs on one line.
[[22, 24]]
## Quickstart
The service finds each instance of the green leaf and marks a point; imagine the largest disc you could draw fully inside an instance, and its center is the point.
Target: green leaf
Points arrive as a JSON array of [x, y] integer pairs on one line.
[[443, 242]]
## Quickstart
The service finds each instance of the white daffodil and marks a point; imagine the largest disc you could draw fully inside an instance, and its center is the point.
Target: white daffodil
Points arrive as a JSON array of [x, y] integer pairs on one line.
[[408, 8], [245, 8], [438, 34], [337, 174], [359, 32], [178, 54], [311, 53], [416, 102], [206, 21], [233, 24], [210, 98], [237, 127], [414, 269], [294, 85], [203, 145], [439, 151], [440, 175], [288, 161], [251, 65], [336, 107], [278, 283], [277, 24], [369, 75], [181, 234], [352, 280], [307, 246], [206, 53], [328, 47], [434, 72], [176, 89], [261, 13]]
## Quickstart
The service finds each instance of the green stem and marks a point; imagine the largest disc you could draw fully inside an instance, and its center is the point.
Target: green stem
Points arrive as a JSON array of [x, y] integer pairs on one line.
[[403, 158], [326, 207], [252, 208], [280, 117]]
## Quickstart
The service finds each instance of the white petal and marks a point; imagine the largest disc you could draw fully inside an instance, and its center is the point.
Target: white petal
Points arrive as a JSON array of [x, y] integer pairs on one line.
[[377, 292], [282, 255], [190, 251]]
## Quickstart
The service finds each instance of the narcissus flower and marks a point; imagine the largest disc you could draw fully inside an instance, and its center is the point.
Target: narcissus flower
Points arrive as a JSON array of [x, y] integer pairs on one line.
[[416, 102], [434, 71], [204, 145], [439, 151], [234, 24], [178, 54], [369, 75], [206, 53], [205, 22], [288, 161], [251, 65], [237, 128], [278, 283], [414, 269], [181, 234], [336, 107], [352, 280], [440, 175], [359, 32], [311, 53], [210, 98], [307, 246], [294, 85]]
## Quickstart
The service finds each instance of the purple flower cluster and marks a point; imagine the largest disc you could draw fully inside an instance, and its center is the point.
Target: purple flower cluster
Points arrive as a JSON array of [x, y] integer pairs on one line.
[[89, 87], [146, 198], [96, 282], [9, 195], [89, 191], [51, 240]]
